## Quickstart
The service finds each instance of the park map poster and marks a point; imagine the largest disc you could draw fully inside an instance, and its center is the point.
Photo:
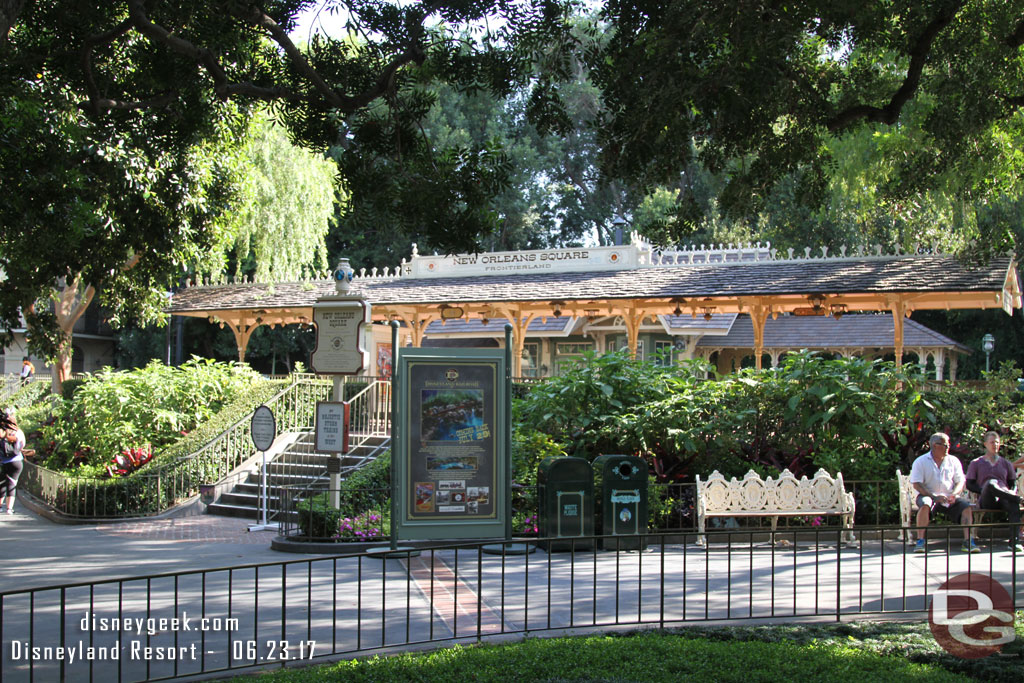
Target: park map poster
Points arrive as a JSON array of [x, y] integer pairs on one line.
[[452, 445]]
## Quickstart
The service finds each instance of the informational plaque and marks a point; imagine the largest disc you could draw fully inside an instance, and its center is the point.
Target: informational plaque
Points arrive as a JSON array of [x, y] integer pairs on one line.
[[339, 336], [263, 428], [332, 426], [452, 465]]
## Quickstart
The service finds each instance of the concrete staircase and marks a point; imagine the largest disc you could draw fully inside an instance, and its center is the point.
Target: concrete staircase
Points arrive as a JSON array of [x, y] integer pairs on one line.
[[299, 465]]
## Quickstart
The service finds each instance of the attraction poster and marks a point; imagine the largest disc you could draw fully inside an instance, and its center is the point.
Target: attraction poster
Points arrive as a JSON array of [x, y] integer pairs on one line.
[[452, 445], [384, 359]]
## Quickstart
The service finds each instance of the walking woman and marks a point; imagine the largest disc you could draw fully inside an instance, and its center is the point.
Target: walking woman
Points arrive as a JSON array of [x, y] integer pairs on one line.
[[12, 440]]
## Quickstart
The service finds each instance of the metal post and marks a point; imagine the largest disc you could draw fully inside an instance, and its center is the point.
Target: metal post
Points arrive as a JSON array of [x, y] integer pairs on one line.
[[337, 396], [263, 490], [508, 431], [395, 431]]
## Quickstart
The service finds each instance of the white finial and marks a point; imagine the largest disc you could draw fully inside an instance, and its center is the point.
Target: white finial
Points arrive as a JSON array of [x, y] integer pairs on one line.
[[730, 245], [935, 247], [824, 252], [897, 250], [790, 252], [807, 252], [387, 271], [878, 250], [917, 248], [842, 251], [860, 250], [373, 272], [773, 253], [415, 250]]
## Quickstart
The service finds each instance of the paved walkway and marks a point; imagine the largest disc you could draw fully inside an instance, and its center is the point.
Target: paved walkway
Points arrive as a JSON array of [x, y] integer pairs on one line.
[[38, 552]]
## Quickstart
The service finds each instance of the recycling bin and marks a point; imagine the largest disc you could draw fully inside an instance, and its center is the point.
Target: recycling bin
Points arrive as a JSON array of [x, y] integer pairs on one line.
[[565, 504], [620, 501]]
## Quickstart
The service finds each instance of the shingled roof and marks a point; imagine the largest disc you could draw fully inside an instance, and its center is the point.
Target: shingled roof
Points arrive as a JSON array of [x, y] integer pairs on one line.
[[821, 332], [896, 274]]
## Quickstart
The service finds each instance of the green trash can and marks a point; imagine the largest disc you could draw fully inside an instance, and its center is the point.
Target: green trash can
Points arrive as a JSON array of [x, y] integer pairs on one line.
[[565, 504], [620, 501]]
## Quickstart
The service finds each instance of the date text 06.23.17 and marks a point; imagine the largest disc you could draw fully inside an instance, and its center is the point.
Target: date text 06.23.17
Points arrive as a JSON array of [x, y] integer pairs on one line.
[[271, 650]]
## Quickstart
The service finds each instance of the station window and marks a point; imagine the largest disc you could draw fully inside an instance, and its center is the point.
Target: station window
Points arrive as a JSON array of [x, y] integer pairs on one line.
[[663, 353], [531, 360]]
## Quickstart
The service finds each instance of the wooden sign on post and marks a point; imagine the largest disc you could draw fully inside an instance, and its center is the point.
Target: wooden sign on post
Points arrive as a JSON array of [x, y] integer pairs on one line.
[[332, 426], [339, 336]]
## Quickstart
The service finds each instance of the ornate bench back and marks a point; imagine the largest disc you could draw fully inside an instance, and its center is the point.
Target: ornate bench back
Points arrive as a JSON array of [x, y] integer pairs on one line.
[[783, 494]]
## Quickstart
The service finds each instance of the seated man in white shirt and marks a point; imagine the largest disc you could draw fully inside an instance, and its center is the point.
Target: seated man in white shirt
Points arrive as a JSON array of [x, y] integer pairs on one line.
[[939, 480]]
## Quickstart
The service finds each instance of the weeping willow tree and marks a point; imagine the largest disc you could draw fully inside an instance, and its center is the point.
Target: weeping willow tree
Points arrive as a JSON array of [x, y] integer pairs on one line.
[[282, 209]]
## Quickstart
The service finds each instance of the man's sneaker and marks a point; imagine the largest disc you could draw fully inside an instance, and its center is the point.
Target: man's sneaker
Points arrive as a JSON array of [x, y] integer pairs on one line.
[[970, 547], [1017, 548], [919, 546]]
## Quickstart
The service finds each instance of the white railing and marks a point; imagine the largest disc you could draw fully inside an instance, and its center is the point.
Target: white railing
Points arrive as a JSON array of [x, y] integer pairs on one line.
[[370, 412]]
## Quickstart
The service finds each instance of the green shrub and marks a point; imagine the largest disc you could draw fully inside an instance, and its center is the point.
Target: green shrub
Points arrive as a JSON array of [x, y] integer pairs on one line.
[[69, 386], [317, 517], [27, 395], [170, 478], [847, 415], [368, 488], [529, 448], [149, 407]]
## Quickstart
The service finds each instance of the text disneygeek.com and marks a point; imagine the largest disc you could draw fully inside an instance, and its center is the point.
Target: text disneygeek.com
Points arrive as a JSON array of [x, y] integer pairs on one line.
[[138, 650]]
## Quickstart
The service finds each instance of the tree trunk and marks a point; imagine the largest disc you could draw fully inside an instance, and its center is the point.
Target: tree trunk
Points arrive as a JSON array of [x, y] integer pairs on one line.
[[70, 307], [61, 368]]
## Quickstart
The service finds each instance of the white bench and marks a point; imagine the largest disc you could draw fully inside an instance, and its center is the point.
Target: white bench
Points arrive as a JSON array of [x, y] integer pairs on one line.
[[908, 501], [774, 497]]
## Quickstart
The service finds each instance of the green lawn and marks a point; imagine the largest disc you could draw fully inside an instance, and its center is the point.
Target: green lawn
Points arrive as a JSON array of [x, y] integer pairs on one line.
[[843, 652]]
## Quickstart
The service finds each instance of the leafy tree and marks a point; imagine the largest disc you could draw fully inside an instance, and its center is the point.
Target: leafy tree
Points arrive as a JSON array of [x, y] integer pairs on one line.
[[92, 211], [280, 211], [763, 91]]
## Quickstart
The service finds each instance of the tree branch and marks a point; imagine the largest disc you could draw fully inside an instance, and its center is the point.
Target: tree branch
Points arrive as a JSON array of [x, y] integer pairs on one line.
[[257, 17], [88, 44], [208, 61], [103, 104], [918, 56]]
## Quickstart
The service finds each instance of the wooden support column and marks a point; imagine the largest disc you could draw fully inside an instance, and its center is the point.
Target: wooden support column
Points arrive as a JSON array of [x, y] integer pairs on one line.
[[416, 321], [758, 315], [899, 311], [633, 317], [242, 331], [520, 325], [417, 326]]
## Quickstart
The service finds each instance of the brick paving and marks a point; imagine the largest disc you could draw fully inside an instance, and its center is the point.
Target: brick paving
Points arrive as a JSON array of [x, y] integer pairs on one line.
[[199, 529]]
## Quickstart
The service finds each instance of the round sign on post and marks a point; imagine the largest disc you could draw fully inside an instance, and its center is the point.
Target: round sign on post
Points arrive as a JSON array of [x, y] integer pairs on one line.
[[263, 428]]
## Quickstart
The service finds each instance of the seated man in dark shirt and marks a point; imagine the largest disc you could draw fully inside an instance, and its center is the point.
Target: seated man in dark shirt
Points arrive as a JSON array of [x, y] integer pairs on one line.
[[994, 479]]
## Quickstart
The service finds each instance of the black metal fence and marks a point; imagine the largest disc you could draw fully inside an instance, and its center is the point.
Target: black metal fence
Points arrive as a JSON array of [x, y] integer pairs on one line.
[[222, 620]]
